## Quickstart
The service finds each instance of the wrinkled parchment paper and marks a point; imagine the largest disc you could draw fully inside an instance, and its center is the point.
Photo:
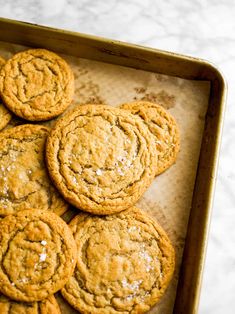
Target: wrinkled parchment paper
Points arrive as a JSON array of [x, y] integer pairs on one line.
[[169, 197]]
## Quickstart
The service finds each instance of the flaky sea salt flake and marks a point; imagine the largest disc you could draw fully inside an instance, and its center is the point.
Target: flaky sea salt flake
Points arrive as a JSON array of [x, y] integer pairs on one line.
[[99, 172], [42, 257]]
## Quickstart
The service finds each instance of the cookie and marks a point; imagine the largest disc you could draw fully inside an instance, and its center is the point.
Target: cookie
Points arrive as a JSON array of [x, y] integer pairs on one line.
[[36, 84], [164, 128], [5, 115], [47, 306], [101, 158], [24, 182], [124, 264], [37, 255]]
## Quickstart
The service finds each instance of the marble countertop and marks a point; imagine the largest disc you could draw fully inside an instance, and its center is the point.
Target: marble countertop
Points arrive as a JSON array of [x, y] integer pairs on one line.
[[200, 28]]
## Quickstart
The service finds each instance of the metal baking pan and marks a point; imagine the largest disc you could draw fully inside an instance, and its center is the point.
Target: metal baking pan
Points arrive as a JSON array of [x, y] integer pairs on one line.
[[110, 51]]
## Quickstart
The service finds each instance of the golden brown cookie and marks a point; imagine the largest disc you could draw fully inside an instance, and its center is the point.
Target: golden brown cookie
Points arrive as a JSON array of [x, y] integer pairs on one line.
[[164, 128], [47, 306], [24, 182], [124, 264], [36, 84], [37, 255], [101, 158], [5, 115]]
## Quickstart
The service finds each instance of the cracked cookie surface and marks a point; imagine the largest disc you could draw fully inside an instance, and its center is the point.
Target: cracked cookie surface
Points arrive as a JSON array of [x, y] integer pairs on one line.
[[36, 84], [24, 182], [101, 158], [124, 264], [164, 128], [5, 115], [47, 306], [37, 255]]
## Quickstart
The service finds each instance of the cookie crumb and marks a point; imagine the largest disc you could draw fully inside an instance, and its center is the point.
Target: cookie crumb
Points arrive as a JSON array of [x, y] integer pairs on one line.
[[140, 90]]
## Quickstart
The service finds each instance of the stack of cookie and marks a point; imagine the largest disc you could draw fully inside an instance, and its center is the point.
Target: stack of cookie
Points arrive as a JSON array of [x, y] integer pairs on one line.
[[100, 159]]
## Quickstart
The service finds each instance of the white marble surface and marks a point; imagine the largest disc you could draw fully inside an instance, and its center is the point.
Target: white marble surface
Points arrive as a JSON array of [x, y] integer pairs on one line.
[[201, 28]]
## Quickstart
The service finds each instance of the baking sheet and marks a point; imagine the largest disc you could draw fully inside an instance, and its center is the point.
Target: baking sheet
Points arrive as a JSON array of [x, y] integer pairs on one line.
[[169, 197]]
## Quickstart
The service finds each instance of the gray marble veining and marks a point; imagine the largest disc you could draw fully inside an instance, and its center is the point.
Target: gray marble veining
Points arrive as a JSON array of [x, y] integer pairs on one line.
[[199, 28]]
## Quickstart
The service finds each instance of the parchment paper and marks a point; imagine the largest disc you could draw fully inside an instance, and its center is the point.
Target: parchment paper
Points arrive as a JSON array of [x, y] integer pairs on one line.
[[169, 197]]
